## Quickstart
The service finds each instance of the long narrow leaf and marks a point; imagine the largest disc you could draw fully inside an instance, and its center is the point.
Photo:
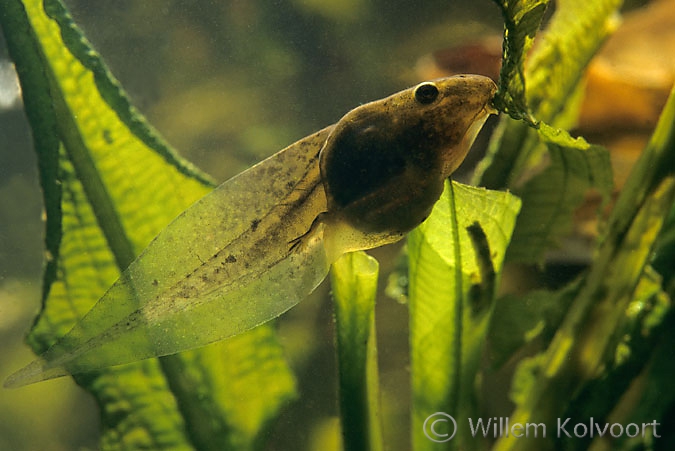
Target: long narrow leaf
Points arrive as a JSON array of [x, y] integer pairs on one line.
[[354, 282]]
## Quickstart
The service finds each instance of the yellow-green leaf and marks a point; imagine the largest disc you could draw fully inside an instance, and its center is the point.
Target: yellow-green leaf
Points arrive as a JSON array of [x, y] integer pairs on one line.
[[455, 257], [551, 197]]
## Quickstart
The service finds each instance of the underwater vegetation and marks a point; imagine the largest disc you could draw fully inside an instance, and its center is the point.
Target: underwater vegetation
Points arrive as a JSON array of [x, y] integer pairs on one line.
[[595, 350]]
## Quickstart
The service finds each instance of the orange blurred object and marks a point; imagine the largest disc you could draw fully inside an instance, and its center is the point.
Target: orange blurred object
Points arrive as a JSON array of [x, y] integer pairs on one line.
[[629, 80]]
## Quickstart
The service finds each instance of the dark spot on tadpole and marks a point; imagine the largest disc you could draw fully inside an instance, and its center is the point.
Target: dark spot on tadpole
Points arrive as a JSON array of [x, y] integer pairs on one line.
[[155, 283], [204, 278], [107, 136], [290, 184], [231, 259], [254, 224]]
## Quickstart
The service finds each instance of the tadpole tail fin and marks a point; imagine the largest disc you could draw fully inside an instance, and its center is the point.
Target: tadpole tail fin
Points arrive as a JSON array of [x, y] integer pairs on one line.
[[36, 371]]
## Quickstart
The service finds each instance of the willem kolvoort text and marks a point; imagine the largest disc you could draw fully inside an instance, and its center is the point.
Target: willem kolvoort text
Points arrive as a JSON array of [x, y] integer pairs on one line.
[[498, 427]]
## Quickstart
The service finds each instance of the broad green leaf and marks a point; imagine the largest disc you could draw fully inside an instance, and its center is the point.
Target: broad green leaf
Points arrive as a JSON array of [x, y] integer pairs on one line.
[[592, 330], [551, 197], [455, 257], [354, 283], [110, 185], [519, 320]]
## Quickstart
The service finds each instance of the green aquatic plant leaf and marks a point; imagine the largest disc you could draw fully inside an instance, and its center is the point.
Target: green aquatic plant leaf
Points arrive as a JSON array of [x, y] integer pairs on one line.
[[574, 34], [551, 197], [531, 320], [657, 394], [455, 259], [110, 185], [354, 283], [520, 320]]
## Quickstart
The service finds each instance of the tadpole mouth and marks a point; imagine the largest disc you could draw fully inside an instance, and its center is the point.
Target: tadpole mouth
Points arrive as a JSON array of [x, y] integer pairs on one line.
[[490, 108], [478, 122], [491, 104], [468, 138]]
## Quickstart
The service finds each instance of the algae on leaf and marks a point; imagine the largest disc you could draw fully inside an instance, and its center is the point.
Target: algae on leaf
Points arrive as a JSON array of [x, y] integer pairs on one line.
[[110, 185], [522, 19]]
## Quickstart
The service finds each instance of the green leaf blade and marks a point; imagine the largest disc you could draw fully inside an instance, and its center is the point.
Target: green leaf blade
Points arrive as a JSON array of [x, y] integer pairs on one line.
[[551, 197], [575, 33], [354, 282], [447, 320]]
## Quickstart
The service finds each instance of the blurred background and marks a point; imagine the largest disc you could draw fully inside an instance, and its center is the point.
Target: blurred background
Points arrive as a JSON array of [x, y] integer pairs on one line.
[[229, 83]]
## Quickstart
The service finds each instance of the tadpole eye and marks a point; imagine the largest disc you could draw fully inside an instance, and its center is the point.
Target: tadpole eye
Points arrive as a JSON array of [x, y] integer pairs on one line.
[[426, 93]]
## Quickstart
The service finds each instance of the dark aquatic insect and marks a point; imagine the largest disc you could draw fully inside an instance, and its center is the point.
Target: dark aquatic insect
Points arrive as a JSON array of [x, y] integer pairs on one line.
[[263, 240]]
